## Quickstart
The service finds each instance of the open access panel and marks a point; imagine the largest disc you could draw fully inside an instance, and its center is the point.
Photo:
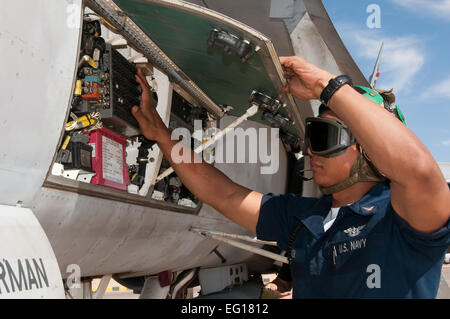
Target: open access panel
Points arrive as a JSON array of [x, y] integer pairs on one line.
[[200, 65]]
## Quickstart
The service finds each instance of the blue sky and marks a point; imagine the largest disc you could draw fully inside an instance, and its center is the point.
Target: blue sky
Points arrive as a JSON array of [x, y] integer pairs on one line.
[[416, 59]]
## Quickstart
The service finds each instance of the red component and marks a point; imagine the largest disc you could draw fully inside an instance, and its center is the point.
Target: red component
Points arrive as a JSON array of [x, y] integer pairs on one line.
[[94, 96], [165, 278], [109, 159], [378, 74]]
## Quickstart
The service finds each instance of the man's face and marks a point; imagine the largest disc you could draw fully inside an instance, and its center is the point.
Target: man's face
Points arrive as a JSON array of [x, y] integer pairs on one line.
[[330, 171]]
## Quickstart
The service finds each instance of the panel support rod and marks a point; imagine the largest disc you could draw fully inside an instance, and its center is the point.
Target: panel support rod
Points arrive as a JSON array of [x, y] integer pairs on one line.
[[223, 237], [249, 113]]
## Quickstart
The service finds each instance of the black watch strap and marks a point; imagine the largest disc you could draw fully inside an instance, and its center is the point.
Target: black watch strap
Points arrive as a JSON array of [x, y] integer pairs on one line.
[[333, 86]]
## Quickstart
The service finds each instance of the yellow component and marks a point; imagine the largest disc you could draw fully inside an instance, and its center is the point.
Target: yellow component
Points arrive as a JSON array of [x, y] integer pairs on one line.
[[82, 122], [134, 176], [86, 120], [107, 23], [116, 288], [78, 87], [92, 63], [66, 142], [208, 153]]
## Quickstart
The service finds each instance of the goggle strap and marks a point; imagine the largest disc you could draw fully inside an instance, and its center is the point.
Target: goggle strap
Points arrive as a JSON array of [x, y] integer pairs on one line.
[[361, 171]]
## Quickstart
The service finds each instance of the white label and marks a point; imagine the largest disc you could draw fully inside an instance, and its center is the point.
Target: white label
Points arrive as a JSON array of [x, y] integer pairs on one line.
[[93, 149], [112, 160]]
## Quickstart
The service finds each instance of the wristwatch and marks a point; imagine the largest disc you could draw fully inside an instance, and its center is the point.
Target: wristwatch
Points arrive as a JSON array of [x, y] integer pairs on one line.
[[333, 86]]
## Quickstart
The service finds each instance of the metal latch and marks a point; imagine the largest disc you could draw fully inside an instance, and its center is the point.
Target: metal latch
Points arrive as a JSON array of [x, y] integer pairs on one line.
[[265, 102], [232, 44], [270, 108]]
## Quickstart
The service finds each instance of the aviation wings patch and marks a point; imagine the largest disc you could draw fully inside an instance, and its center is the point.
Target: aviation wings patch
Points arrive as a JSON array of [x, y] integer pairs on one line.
[[354, 231]]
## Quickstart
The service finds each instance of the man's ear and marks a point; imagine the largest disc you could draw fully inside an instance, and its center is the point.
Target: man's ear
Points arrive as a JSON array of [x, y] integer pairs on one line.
[[356, 148]]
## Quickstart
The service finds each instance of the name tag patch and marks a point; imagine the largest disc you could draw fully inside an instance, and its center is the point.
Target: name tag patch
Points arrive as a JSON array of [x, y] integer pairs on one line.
[[346, 247]]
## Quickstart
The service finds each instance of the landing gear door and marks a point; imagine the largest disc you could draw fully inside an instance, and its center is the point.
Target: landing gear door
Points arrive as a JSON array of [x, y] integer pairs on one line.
[[28, 266]]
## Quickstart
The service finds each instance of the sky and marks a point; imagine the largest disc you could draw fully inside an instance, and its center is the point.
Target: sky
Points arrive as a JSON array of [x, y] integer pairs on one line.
[[415, 61]]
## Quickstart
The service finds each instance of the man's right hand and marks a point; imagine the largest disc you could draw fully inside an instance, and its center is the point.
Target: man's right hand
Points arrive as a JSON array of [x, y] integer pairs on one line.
[[207, 183], [150, 123]]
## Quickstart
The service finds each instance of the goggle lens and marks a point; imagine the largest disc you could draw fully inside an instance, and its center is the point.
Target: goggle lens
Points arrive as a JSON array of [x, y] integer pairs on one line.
[[322, 136], [326, 137]]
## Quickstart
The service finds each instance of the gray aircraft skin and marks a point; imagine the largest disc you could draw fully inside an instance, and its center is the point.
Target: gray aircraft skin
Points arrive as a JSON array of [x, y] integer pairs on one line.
[[106, 231]]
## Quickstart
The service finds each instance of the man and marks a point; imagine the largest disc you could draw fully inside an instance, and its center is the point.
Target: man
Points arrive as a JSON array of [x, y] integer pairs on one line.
[[382, 241]]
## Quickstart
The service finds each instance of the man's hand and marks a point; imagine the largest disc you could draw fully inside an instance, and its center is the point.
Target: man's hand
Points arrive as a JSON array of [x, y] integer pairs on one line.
[[419, 193], [150, 123], [238, 203], [306, 81], [278, 287]]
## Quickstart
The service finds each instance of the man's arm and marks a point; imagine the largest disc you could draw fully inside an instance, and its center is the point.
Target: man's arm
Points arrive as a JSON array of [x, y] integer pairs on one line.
[[207, 183], [419, 193]]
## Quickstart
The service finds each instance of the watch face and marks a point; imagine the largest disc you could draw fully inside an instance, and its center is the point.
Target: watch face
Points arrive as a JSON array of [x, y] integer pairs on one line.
[[343, 79]]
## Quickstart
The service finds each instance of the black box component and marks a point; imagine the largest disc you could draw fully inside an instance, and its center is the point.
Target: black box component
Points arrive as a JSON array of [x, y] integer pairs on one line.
[[80, 157], [112, 90], [124, 93], [138, 176], [184, 113]]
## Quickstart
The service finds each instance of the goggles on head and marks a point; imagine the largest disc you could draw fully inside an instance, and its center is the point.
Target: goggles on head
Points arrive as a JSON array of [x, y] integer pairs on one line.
[[326, 137]]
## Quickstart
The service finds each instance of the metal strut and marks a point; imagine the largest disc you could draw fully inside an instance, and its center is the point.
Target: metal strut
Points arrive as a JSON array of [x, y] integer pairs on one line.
[[224, 237], [135, 36], [198, 150]]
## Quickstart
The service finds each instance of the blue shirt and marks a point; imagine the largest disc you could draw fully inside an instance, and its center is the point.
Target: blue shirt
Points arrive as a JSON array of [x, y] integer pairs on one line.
[[369, 251]]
